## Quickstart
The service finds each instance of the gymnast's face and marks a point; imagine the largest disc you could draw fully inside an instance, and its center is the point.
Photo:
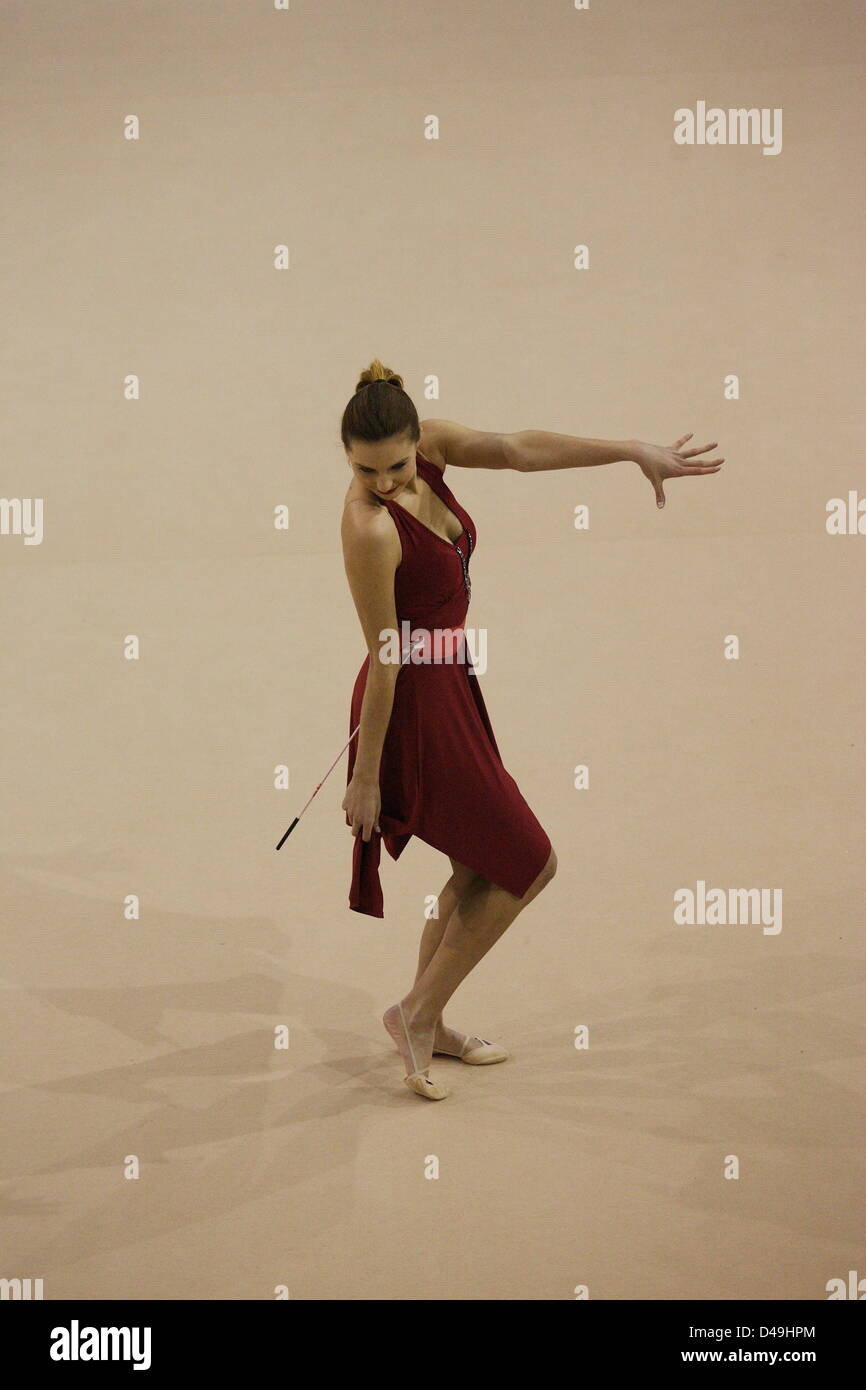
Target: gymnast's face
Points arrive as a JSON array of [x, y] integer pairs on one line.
[[385, 467]]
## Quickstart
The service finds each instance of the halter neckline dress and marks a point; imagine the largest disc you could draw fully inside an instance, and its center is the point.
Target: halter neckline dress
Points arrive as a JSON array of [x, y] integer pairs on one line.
[[441, 777]]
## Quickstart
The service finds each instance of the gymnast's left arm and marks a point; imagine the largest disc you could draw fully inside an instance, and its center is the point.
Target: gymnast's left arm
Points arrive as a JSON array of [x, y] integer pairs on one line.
[[538, 451]]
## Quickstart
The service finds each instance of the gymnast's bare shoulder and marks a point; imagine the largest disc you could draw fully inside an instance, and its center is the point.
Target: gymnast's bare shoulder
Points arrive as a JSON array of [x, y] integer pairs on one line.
[[367, 526]]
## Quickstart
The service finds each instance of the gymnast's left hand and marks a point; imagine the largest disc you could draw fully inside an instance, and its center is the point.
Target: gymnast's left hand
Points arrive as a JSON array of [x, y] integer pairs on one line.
[[659, 463]]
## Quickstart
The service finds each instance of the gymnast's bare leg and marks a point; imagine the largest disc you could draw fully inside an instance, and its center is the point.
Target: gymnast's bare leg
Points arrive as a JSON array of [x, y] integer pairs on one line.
[[474, 913]]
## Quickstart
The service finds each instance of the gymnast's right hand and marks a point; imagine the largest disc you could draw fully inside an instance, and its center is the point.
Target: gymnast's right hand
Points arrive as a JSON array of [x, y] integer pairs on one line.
[[362, 804]]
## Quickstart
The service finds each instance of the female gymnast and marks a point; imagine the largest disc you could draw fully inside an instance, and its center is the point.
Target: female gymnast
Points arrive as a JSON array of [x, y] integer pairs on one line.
[[425, 761]]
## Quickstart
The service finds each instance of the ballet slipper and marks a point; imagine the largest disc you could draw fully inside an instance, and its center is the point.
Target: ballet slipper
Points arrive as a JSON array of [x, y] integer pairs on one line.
[[417, 1081], [483, 1054]]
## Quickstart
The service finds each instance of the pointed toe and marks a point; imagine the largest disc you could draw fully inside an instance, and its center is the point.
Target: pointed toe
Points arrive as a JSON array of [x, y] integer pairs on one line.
[[423, 1086], [418, 1081]]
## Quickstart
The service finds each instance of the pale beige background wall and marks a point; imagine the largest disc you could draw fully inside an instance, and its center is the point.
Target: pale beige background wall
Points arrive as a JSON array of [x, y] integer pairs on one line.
[[450, 259]]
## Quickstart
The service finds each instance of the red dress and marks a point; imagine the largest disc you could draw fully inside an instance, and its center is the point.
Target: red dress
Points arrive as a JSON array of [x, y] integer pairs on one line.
[[440, 776]]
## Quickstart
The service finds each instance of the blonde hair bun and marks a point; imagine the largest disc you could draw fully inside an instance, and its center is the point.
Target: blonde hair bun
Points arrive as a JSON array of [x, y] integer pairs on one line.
[[376, 372]]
